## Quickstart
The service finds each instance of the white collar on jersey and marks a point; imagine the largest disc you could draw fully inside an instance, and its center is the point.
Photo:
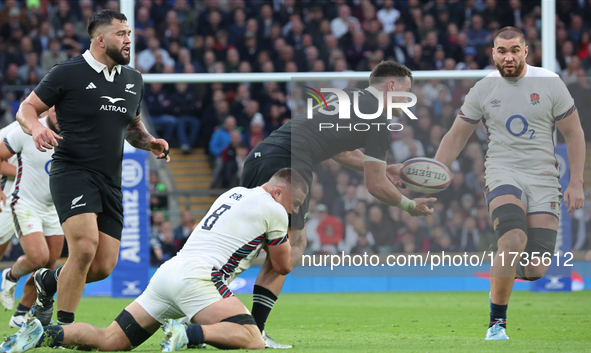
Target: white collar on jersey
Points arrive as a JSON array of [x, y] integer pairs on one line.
[[99, 66]]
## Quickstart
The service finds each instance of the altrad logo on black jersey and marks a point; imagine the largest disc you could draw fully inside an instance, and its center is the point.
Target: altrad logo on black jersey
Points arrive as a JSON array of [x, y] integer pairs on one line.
[[111, 107]]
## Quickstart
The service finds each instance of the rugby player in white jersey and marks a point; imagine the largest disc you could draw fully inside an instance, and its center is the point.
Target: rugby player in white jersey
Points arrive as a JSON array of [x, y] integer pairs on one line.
[[195, 282], [34, 218], [520, 106], [8, 172]]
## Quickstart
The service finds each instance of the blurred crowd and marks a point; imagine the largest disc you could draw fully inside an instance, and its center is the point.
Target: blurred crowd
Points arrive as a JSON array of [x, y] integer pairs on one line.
[[228, 120]]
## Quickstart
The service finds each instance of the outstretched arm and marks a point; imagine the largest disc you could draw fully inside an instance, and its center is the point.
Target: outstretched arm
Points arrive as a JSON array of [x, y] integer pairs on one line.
[[350, 159], [355, 160], [138, 137], [570, 127], [454, 141]]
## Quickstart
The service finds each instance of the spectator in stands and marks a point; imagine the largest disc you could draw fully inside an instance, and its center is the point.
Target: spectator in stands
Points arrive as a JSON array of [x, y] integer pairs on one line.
[[340, 25], [182, 232], [388, 16], [329, 229], [478, 36], [158, 196], [147, 58], [365, 242], [11, 76], [576, 28], [257, 133], [31, 66], [159, 105], [381, 229], [86, 11], [163, 247], [237, 29], [345, 203], [227, 176], [70, 41], [470, 237], [143, 21], [184, 108], [53, 56], [12, 22], [357, 51], [221, 137], [185, 61], [157, 220], [407, 147]]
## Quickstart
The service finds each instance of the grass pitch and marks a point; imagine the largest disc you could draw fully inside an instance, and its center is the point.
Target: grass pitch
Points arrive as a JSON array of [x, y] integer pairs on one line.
[[401, 322]]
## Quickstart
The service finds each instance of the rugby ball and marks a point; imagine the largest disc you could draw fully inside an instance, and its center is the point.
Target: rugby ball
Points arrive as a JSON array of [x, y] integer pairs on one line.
[[425, 175]]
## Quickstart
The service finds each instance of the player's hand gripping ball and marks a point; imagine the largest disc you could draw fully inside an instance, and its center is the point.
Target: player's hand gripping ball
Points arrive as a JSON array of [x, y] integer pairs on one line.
[[425, 175]]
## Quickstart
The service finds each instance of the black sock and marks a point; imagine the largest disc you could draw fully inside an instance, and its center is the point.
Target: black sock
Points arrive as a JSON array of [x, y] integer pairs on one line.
[[195, 334], [21, 310], [498, 312], [49, 280], [53, 336], [10, 276], [262, 303], [64, 317]]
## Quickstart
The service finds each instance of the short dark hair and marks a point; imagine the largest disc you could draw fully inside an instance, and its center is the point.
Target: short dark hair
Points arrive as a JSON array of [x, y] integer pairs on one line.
[[388, 69], [103, 17], [509, 32], [293, 178]]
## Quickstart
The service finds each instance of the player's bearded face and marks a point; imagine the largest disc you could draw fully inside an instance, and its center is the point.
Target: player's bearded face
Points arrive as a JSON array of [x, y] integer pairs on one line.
[[510, 69], [509, 57], [119, 55]]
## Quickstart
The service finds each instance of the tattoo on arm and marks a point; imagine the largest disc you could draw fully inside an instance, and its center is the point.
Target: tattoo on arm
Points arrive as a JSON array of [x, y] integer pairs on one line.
[[137, 135]]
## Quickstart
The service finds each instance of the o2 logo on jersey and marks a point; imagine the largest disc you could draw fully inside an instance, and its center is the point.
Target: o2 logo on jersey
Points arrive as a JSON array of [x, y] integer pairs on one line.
[[48, 166], [513, 125]]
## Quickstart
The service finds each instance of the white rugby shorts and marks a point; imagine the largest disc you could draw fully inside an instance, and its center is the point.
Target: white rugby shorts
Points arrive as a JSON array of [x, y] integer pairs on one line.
[[180, 288], [27, 220], [540, 194]]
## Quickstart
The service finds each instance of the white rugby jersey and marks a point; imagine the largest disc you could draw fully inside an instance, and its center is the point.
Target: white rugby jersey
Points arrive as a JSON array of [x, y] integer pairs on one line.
[[231, 234], [31, 186], [6, 181], [520, 118]]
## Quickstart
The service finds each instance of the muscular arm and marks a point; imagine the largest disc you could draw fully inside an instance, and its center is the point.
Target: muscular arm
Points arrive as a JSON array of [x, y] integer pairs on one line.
[[137, 135], [5, 154], [378, 184], [7, 169], [350, 159], [280, 257], [454, 141], [28, 113], [574, 137]]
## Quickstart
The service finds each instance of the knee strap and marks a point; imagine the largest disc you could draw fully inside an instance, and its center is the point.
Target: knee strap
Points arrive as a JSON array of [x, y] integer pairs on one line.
[[540, 241], [508, 217], [241, 319], [134, 332]]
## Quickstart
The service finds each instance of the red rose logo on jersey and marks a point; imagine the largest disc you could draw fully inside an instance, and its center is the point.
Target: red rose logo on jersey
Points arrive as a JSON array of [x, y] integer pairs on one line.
[[535, 98]]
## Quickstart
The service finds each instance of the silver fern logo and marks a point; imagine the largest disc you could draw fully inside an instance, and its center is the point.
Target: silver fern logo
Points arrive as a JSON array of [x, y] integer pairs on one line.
[[76, 200]]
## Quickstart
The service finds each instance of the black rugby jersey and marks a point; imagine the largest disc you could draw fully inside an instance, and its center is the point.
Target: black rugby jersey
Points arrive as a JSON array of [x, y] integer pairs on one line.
[[94, 109], [324, 136]]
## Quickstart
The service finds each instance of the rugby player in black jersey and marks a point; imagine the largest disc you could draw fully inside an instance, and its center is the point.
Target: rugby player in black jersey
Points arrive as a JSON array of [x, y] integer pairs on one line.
[[303, 142], [97, 100]]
